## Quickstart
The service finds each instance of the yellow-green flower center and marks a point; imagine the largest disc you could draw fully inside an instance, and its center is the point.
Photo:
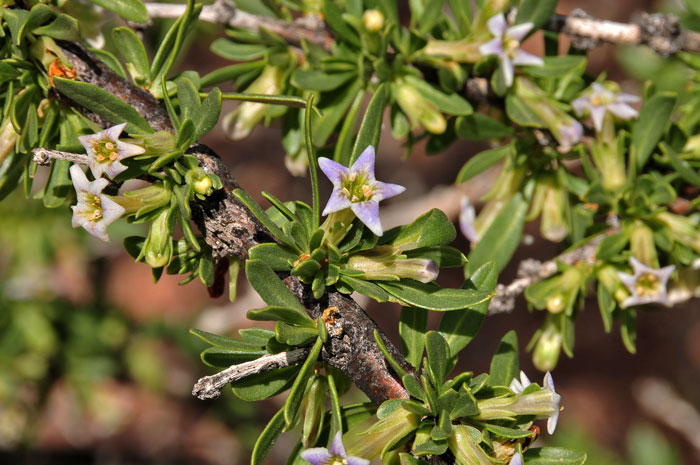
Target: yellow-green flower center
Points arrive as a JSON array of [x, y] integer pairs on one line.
[[335, 460], [648, 285], [92, 206], [105, 150], [510, 46], [602, 99], [357, 188]]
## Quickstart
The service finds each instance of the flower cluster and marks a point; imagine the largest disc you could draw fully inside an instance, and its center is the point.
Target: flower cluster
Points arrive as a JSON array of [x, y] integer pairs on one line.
[[96, 210]]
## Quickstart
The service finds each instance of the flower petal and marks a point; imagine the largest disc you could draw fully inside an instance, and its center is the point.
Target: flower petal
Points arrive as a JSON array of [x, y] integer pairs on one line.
[[316, 455], [337, 448], [497, 25], [114, 132], [627, 98], [548, 381], [516, 459], [352, 460], [598, 115], [78, 217], [80, 181], [97, 229], [527, 59], [552, 422], [364, 163], [507, 68], [524, 380], [623, 111], [113, 169], [519, 31], [333, 170], [111, 210], [493, 47], [368, 213], [516, 387], [467, 215], [338, 201], [124, 149], [383, 190], [581, 104]]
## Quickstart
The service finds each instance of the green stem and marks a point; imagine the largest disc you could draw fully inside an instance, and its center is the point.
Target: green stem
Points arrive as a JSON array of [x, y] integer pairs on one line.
[[286, 100]]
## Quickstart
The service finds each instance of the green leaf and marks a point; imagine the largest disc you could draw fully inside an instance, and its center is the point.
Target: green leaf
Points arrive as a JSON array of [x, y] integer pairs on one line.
[[553, 456], [104, 104], [682, 167], [444, 256], [509, 433], [459, 328], [296, 393], [537, 12], [131, 10], [452, 104], [334, 17], [63, 27], [651, 125], [271, 288], [612, 245], [10, 171], [428, 230], [606, 305], [280, 314], [371, 126], [413, 386], [412, 326], [230, 50], [504, 364], [481, 162], [208, 114], [437, 351], [503, 236], [333, 109], [229, 73], [432, 297], [518, 111], [294, 335], [133, 51], [217, 357], [481, 127], [364, 287], [266, 384], [267, 438], [277, 257], [628, 329], [313, 79], [59, 183], [258, 212], [230, 343]]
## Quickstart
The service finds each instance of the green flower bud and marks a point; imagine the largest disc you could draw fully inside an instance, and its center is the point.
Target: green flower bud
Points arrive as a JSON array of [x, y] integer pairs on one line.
[[200, 181], [642, 245], [546, 353], [609, 158], [555, 208], [8, 139], [465, 448], [240, 123], [142, 201], [682, 229], [158, 248], [390, 268], [313, 408], [369, 443], [373, 20], [418, 109]]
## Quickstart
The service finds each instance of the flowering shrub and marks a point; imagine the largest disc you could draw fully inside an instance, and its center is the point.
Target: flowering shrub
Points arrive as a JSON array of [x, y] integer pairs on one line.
[[610, 175]]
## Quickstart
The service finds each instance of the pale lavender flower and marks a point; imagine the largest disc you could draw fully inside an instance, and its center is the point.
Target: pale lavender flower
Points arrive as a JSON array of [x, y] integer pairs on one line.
[[568, 134], [467, 215], [647, 285], [544, 400], [356, 188], [105, 151], [506, 46], [336, 455], [601, 100], [94, 211], [517, 459]]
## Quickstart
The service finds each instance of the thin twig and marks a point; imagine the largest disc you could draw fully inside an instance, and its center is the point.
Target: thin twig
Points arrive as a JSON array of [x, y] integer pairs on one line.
[[210, 387], [225, 12], [43, 156]]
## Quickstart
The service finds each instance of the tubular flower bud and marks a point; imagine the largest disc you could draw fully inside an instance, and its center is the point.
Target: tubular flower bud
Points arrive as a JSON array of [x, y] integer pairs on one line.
[[418, 109], [642, 245], [240, 123], [465, 449], [158, 248], [548, 347], [554, 225], [381, 435], [682, 229], [390, 268]]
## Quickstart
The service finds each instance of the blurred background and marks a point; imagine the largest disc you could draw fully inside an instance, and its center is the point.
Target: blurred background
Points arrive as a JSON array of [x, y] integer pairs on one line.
[[97, 365]]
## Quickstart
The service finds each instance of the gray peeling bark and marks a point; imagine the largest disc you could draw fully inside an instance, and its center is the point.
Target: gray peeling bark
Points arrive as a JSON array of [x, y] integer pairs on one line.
[[231, 230]]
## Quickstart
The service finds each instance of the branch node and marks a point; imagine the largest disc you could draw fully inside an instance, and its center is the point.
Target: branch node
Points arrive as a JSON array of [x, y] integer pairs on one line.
[[662, 33]]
